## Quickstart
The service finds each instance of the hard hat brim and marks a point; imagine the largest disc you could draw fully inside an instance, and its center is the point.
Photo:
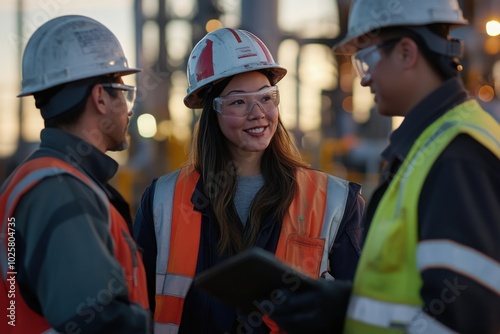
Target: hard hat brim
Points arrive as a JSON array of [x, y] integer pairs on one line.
[[368, 18], [30, 88]]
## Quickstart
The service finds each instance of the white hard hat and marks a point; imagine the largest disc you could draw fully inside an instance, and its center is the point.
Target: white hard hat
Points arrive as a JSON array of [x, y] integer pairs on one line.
[[223, 53], [367, 17], [70, 48]]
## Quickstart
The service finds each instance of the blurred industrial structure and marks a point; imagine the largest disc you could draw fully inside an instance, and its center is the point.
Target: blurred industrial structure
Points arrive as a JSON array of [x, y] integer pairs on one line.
[[331, 117]]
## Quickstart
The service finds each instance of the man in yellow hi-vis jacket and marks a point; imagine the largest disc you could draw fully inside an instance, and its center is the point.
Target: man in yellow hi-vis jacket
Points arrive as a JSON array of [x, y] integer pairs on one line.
[[431, 260]]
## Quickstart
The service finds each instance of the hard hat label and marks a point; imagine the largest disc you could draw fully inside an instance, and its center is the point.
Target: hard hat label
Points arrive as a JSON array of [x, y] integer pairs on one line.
[[94, 40]]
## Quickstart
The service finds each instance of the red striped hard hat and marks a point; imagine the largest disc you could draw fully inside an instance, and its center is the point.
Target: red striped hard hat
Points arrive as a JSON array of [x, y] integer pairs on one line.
[[223, 53]]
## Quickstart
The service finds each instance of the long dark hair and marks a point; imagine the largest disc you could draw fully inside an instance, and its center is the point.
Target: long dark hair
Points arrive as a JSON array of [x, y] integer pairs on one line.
[[211, 157]]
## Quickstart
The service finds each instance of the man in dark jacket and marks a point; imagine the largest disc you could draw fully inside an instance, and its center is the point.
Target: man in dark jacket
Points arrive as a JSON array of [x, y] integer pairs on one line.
[[68, 260]]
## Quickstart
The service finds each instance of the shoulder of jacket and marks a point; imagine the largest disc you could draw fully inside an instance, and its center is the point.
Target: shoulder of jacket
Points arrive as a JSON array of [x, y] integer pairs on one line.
[[330, 176], [166, 180]]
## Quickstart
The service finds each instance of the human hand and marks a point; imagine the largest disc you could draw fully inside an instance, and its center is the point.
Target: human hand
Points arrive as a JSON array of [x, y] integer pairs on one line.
[[320, 309]]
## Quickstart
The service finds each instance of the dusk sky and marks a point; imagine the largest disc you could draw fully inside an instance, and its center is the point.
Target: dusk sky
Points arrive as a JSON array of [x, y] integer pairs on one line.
[[117, 15]]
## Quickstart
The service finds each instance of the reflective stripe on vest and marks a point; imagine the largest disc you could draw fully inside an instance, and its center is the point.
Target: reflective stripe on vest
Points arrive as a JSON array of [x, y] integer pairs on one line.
[[21, 181], [387, 270], [162, 211], [425, 324], [312, 186], [381, 314], [462, 259], [50, 331], [302, 240], [309, 221], [177, 245], [162, 328], [25, 178]]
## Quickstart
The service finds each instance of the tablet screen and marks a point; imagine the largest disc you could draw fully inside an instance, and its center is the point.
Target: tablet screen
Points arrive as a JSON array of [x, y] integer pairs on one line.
[[250, 277]]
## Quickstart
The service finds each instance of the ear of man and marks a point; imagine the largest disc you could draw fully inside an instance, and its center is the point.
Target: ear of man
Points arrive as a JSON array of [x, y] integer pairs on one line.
[[99, 99], [408, 53]]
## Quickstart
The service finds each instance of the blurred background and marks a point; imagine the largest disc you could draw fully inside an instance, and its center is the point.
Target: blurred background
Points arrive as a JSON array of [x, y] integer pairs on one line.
[[331, 117]]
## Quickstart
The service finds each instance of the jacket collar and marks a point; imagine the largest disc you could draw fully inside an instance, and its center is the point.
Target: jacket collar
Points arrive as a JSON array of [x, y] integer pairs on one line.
[[78, 152], [436, 104]]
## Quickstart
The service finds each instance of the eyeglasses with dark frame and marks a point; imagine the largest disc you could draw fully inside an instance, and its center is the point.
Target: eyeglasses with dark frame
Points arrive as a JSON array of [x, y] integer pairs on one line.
[[129, 92]]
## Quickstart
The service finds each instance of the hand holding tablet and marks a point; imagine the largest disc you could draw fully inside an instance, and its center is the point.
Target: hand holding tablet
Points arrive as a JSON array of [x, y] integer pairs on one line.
[[250, 278]]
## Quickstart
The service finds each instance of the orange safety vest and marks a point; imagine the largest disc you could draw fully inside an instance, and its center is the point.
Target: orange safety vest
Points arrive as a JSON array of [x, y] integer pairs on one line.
[[26, 177], [307, 235]]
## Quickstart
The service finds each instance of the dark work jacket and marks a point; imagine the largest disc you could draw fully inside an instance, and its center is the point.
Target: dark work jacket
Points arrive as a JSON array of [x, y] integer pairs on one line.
[[204, 314], [460, 201], [64, 249]]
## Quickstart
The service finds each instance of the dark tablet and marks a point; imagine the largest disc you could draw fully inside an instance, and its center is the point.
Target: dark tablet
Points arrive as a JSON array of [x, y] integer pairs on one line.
[[250, 277]]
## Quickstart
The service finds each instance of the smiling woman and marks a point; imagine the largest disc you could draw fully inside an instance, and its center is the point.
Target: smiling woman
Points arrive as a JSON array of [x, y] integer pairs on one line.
[[244, 186], [20, 123]]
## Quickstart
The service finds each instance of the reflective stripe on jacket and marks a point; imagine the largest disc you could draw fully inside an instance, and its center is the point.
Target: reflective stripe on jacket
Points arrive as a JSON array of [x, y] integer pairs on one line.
[[125, 251], [307, 234], [386, 293]]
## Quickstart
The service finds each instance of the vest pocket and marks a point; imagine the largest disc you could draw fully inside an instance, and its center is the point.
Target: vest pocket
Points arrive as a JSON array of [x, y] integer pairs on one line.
[[305, 254]]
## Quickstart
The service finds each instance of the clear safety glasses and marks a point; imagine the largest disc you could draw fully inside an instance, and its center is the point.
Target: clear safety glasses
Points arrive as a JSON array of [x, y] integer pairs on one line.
[[240, 104], [365, 60], [128, 92]]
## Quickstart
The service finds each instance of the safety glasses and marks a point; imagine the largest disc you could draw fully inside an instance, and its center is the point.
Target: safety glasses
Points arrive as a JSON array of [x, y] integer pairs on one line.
[[240, 104], [366, 59], [129, 92]]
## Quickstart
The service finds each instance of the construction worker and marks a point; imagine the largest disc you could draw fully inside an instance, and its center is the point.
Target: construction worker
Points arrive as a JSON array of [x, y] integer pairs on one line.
[[245, 186], [431, 260], [68, 261]]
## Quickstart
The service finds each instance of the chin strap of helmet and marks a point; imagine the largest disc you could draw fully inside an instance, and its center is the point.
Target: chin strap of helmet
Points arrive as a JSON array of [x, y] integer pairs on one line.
[[450, 50], [452, 47]]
